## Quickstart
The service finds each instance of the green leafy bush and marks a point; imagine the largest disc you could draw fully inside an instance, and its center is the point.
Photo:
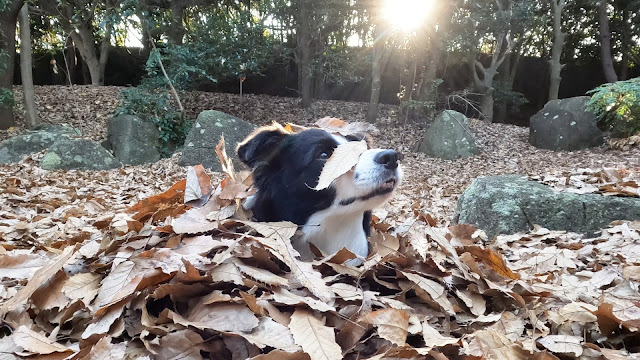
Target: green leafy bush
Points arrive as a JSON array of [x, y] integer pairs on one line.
[[151, 102], [504, 95], [617, 106]]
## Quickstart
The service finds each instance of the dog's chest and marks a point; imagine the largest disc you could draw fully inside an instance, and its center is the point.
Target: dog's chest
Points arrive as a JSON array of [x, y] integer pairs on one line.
[[330, 232]]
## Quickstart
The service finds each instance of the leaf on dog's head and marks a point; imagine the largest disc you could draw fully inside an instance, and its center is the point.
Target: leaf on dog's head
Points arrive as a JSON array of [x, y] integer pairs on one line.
[[198, 188], [293, 128], [338, 126], [344, 157]]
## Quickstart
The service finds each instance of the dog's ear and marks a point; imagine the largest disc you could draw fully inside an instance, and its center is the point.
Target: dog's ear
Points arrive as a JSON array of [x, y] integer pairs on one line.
[[260, 145]]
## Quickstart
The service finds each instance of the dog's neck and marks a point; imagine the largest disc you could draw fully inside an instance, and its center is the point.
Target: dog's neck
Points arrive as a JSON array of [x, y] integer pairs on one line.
[[330, 231]]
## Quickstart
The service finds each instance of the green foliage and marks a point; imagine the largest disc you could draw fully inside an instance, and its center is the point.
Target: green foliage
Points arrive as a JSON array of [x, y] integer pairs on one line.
[[617, 106], [239, 46], [6, 98], [504, 95], [153, 103]]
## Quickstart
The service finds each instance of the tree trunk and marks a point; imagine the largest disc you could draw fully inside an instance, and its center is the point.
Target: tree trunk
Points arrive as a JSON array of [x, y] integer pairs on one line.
[[485, 84], [71, 61], [304, 54], [486, 103], [380, 57], [8, 19], [605, 43], [626, 35], [507, 77], [83, 38], [31, 115], [176, 30], [555, 67]]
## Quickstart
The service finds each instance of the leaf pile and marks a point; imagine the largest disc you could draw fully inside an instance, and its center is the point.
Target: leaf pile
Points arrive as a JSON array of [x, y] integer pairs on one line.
[[167, 280], [606, 181]]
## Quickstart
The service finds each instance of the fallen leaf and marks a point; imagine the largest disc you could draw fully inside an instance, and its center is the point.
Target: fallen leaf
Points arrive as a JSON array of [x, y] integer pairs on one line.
[[313, 336], [392, 324], [344, 157]]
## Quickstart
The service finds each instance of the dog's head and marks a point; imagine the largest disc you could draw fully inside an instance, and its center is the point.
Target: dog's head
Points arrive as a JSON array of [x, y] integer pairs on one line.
[[287, 167]]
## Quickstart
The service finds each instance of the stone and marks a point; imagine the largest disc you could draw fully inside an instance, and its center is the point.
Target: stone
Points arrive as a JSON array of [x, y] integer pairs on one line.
[[565, 125], [200, 144], [449, 137], [18, 147], [78, 154], [507, 204], [132, 140]]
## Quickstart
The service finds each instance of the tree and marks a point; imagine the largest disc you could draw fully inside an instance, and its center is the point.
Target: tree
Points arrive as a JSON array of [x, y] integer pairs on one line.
[[380, 58], [31, 114], [8, 17], [605, 43], [555, 67], [77, 18], [489, 31]]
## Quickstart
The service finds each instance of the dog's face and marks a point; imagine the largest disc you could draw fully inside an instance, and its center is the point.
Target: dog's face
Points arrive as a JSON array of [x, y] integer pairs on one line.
[[287, 167]]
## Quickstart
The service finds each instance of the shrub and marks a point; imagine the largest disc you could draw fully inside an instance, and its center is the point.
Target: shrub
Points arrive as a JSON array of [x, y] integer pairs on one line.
[[154, 103], [617, 106]]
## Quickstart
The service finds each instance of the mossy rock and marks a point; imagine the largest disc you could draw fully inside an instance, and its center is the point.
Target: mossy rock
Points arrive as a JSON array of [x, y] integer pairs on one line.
[[78, 154], [18, 147], [508, 204]]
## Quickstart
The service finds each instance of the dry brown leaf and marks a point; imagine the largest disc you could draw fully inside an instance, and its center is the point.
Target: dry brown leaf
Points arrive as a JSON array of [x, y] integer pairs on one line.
[[270, 333], [434, 289], [493, 260], [82, 286], [344, 157], [261, 275], [225, 161], [313, 336], [170, 199], [19, 265], [182, 344], [198, 186], [130, 276], [36, 343], [433, 338], [392, 324], [302, 273], [104, 349], [563, 344], [282, 355], [40, 277], [219, 317]]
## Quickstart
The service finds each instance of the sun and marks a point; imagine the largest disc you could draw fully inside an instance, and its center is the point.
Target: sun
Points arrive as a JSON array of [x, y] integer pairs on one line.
[[407, 15]]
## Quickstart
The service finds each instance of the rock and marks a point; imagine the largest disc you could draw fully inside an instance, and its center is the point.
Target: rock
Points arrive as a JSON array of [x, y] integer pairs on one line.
[[78, 154], [508, 204], [565, 125], [449, 137], [132, 140], [16, 148], [200, 145]]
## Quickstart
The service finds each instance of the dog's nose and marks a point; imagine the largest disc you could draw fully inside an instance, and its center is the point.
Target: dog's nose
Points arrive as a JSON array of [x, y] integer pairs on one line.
[[388, 158]]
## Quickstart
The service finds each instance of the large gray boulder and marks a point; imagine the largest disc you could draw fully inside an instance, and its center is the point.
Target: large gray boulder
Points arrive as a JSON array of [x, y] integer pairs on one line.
[[78, 154], [448, 137], [18, 147], [133, 140], [508, 204], [200, 145], [565, 125]]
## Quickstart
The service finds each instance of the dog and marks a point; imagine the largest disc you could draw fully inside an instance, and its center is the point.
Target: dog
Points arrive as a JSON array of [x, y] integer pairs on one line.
[[286, 168]]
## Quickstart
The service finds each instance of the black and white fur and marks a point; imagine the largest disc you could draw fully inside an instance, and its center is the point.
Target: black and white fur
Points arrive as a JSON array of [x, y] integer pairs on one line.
[[286, 168]]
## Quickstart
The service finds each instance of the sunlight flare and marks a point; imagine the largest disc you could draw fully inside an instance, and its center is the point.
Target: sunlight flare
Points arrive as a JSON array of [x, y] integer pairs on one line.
[[407, 15]]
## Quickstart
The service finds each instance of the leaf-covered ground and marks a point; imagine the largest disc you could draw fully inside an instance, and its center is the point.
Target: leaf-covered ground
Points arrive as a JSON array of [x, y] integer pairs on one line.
[[82, 277]]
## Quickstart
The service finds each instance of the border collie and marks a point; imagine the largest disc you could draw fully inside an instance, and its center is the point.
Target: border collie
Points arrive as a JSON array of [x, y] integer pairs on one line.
[[286, 168]]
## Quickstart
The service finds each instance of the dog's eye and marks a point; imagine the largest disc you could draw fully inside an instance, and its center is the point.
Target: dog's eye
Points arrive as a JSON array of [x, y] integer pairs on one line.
[[323, 155]]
